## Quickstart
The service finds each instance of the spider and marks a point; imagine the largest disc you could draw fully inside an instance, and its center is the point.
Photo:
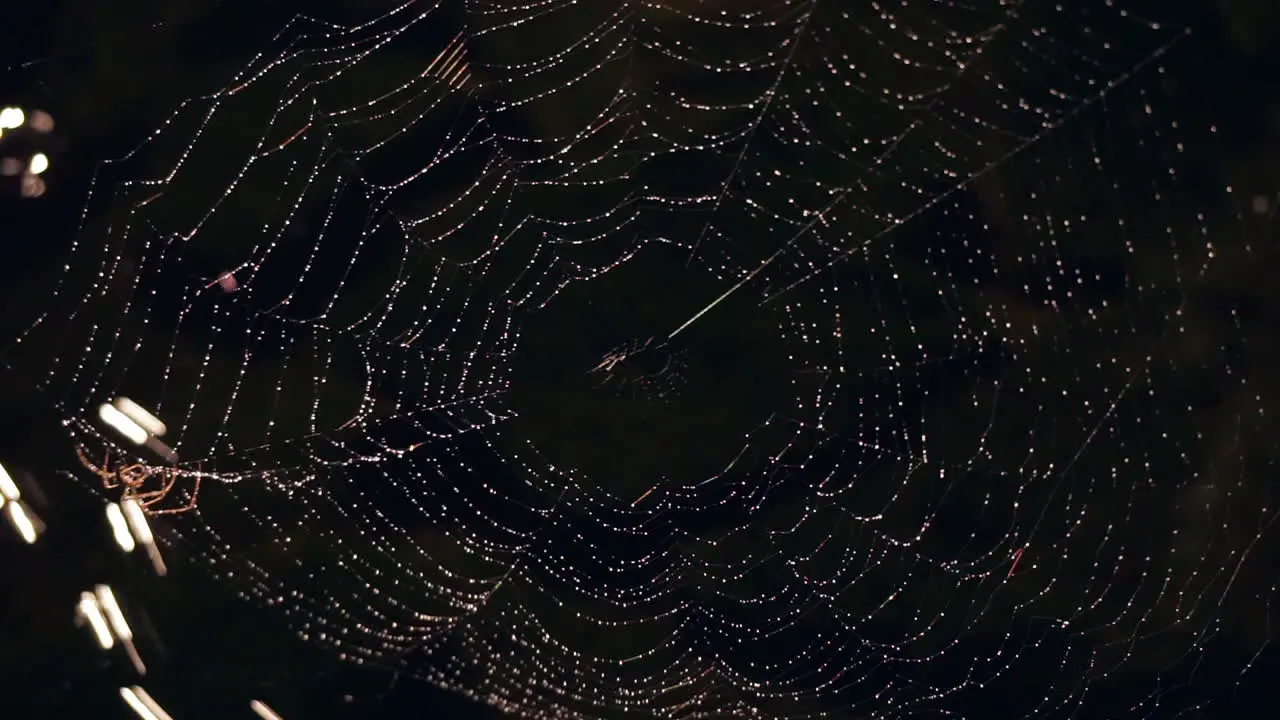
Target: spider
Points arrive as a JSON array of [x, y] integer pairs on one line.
[[648, 368], [134, 479]]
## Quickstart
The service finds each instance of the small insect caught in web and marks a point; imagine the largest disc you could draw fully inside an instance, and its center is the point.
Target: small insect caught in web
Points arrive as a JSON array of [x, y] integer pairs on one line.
[[226, 282], [1013, 565]]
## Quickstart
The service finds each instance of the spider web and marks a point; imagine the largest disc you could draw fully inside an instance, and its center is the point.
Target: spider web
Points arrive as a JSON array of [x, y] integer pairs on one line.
[[935, 272]]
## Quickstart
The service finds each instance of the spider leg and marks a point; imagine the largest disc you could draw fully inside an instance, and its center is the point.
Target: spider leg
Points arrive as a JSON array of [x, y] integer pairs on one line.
[[191, 500]]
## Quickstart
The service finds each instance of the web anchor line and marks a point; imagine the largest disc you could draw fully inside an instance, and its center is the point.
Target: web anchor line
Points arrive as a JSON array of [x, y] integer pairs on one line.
[[888, 152], [1089, 102], [1045, 131], [787, 64], [730, 291]]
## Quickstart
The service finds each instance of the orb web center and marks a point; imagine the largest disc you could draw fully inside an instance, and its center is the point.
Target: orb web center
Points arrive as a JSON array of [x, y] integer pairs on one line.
[[598, 388], [650, 369]]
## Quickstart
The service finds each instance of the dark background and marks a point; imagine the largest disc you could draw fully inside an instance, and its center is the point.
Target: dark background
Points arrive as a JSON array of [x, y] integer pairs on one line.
[[1202, 441]]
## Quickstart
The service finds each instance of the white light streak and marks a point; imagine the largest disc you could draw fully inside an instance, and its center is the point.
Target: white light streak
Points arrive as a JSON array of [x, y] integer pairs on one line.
[[23, 521], [137, 521], [119, 626], [107, 600], [137, 414], [263, 711], [8, 488], [89, 609], [122, 424], [120, 528], [143, 704]]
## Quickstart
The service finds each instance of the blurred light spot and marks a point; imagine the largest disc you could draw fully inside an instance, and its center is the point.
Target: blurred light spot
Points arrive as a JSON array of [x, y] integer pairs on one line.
[[32, 186], [40, 121], [12, 117], [39, 163]]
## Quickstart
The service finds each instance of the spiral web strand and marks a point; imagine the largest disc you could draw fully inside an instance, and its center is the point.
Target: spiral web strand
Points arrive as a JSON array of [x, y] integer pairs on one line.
[[321, 274]]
